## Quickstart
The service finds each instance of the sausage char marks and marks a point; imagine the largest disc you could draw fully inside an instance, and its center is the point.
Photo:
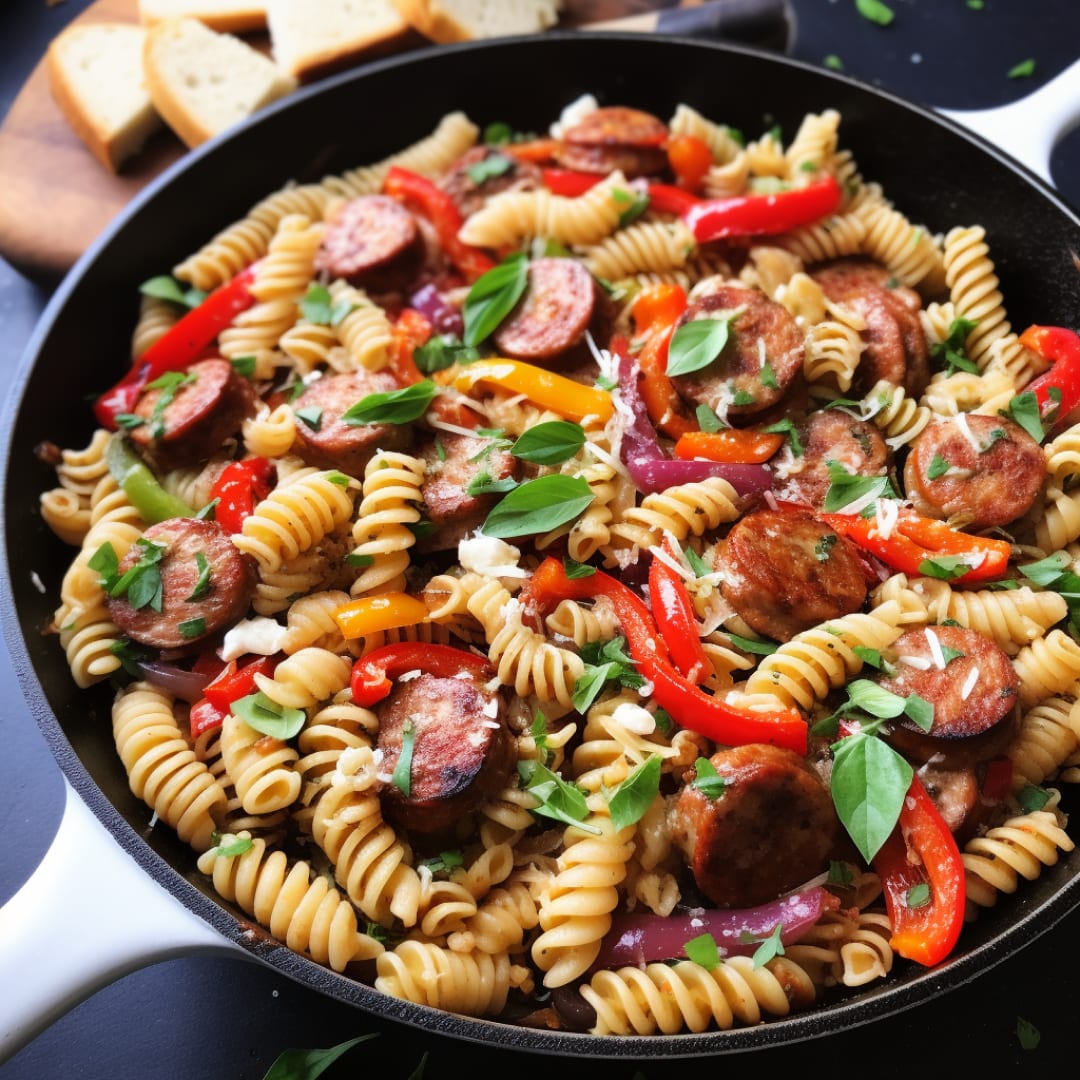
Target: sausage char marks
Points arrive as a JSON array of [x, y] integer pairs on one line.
[[828, 435], [483, 171], [974, 695], [980, 471], [228, 591], [616, 137], [896, 348], [738, 383], [771, 829], [452, 463], [373, 242], [329, 442], [186, 423], [462, 750], [785, 571]]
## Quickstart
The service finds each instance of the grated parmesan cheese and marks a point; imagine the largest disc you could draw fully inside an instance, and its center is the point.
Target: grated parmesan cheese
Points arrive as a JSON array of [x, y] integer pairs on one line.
[[969, 683], [634, 718], [965, 430], [935, 648], [918, 662]]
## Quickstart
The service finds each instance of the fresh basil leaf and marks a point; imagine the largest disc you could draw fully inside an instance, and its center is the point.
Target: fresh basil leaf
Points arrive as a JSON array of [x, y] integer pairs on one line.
[[538, 506], [168, 288], [550, 443], [493, 296], [1046, 571], [875, 11], [229, 845], [129, 653], [141, 584], [591, 682], [823, 548], [339, 478], [1022, 70], [944, 567], [788, 428], [393, 406], [312, 416], [700, 567], [317, 305], [951, 352], [1024, 410], [574, 569], [840, 873], [309, 1064], [445, 860], [638, 203], [1032, 798], [402, 776], [267, 717], [696, 344], [192, 628], [951, 654], [707, 780], [558, 799], [768, 376], [357, 560], [920, 711], [918, 895], [244, 366], [105, 562], [938, 467], [443, 351], [869, 783], [489, 167], [485, 484], [874, 699], [129, 421], [703, 951], [708, 421], [497, 134], [770, 948], [635, 794], [846, 488], [752, 645]]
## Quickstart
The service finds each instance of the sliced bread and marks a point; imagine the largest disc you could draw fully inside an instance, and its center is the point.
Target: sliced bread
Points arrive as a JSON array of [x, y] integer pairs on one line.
[[228, 16], [203, 82], [311, 38], [96, 76], [444, 21]]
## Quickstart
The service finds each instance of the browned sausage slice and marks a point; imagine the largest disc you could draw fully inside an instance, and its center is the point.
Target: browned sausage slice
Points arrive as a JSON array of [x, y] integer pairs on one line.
[[483, 171], [553, 315], [896, 348], [828, 435], [462, 750], [762, 357], [978, 470], [326, 441], [453, 463], [771, 828], [785, 571], [187, 423], [373, 242], [616, 137], [188, 614], [974, 695]]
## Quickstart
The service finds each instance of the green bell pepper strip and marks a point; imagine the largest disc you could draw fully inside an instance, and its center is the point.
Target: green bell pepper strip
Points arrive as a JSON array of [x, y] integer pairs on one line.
[[141, 486]]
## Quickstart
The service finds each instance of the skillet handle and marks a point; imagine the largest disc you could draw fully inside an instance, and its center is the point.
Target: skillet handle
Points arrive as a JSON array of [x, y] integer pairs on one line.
[[63, 936], [1028, 129]]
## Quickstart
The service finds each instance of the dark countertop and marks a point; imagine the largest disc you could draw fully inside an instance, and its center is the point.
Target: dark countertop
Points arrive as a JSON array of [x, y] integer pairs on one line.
[[225, 1018]]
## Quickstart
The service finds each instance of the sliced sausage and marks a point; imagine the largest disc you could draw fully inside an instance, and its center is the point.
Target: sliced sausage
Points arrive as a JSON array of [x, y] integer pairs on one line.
[[186, 424], [974, 695], [189, 613], [827, 435], [958, 798], [762, 357], [373, 242], [552, 316], [785, 571], [453, 463], [328, 441], [896, 347], [771, 828], [462, 750], [616, 137], [483, 171], [978, 470]]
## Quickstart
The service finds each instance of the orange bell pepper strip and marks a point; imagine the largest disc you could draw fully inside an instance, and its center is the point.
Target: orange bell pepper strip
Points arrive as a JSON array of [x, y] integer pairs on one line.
[[916, 540], [733, 445], [675, 619], [922, 850], [688, 705], [655, 312], [387, 611], [411, 329], [569, 399], [534, 150]]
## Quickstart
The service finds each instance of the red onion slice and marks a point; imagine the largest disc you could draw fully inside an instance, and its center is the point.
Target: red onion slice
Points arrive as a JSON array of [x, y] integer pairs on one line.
[[444, 317], [181, 683]]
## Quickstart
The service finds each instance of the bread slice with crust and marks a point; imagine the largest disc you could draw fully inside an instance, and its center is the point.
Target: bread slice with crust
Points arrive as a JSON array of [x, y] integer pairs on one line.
[[96, 76], [445, 21], [311, 38], [226, 16], [203, 82]]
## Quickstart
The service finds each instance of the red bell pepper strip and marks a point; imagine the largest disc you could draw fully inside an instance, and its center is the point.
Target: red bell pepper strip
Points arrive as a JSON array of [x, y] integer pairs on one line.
[[916, 539], [440, 209], [922, 850], [763, 215], [1062, 348], [179, 347], [411, 330], [675, 619], [205, 716], [669, 199], [240, 486], [372, 674], [237, 682], [689, 706], [569, 182], [731, 445]]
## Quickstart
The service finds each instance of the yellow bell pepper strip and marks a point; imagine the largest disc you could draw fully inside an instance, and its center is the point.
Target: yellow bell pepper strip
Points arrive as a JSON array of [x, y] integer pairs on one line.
[[922, 851], [373, 674], [688, 705], [387, 611], [1062, 348], [916, 540], [569, 399], [732, 445]]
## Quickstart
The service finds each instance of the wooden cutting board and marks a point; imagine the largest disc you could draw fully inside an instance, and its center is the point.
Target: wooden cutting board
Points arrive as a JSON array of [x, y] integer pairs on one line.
[[56, 196]]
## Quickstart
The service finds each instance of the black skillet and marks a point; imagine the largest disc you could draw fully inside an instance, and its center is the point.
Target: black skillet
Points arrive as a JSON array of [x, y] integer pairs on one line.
[[934, 171]]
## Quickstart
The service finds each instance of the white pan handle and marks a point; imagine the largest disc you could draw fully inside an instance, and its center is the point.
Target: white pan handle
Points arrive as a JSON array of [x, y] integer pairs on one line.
[[87, 915], [1028, 129]]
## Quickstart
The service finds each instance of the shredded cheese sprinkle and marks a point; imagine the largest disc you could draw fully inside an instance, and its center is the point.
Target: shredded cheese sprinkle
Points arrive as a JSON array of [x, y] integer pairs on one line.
[[969, 683], [935, 649]]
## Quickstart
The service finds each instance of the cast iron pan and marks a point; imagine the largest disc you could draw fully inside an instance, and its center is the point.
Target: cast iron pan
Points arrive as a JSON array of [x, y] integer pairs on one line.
[[932, 169]]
